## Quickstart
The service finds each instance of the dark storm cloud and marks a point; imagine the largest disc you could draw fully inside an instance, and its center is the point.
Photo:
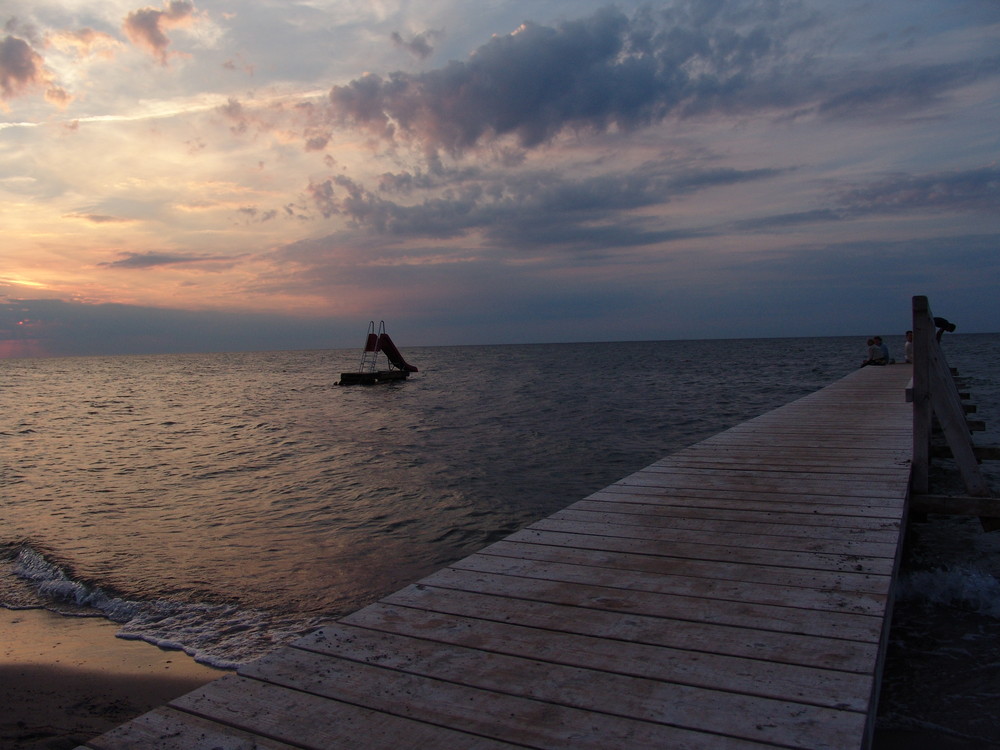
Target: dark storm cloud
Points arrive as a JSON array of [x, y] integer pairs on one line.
[[602, 72], [154, 259]]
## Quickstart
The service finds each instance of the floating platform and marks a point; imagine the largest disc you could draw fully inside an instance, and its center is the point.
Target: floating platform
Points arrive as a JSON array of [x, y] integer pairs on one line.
[[372, 378], [736, 594]]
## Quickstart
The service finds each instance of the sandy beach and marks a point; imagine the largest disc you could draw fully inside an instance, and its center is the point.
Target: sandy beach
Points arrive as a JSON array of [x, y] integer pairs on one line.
[[66, 679]]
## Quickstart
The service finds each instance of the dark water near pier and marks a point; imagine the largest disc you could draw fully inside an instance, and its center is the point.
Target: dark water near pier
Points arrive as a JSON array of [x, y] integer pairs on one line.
[[225, 503]]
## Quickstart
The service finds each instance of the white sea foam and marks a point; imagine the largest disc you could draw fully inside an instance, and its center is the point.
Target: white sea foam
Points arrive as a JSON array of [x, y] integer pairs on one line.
[[219, 635]]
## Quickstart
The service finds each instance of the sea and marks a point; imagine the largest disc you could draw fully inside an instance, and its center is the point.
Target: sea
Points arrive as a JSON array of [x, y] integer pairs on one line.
[[227, 503]]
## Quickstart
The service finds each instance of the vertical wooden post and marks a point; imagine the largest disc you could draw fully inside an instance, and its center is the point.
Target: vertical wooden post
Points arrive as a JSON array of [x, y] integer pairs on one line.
[[923, 336]]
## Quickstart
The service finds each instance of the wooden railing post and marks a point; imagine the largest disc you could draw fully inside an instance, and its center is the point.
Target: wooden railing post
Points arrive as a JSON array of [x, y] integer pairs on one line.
[[923, 336], [935, 393]]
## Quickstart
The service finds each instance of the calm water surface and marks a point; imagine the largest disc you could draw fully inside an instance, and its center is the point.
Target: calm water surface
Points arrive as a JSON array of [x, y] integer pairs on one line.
[[224, 503]]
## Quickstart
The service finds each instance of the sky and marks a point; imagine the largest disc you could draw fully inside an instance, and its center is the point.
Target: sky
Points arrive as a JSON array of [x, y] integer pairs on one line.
[[220, 175]]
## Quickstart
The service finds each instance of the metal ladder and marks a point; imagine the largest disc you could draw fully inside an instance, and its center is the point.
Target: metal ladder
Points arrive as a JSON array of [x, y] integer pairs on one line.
[[369, 356]]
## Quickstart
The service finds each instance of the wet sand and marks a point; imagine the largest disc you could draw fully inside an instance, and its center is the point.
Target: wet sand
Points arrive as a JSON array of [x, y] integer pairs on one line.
[[64, 680]]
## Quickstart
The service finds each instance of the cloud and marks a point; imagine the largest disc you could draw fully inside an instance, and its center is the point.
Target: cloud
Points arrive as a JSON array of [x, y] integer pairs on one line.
[[99, 218], [902, 88], [527, 210], [610, 72], [796, 218], [976, 190], [153, 259], [956, 191], [254, 214], [146, 27], [419, 46], [23, 69], [599, 73], [84, 42]]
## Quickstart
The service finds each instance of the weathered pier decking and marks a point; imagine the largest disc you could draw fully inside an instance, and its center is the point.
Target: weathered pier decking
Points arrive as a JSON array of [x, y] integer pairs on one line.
[[735, 594]]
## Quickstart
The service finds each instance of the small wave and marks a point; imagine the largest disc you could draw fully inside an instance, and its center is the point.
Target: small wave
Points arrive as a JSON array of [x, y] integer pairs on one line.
[[966, 588], [219, 635]]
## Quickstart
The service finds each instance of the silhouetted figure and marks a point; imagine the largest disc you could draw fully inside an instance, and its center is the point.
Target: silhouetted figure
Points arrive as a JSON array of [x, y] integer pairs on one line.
[[942, 325]]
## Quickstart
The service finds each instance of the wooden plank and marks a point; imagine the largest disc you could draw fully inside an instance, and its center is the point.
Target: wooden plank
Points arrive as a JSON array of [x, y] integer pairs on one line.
[[625, 514], [705, 551], [777, 680], [763, 482], [754, 539], [743, 499], [499, 716], [664, 565], [304, 719], [169, 729], [858, 463], [466, 673], [708, 637], [811, 597], [795, 516], [845, 625]]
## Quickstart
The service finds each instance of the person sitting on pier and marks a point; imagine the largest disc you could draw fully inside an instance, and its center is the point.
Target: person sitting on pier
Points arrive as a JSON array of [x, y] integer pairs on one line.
[[883, 352], [908, 348], [878, 353]]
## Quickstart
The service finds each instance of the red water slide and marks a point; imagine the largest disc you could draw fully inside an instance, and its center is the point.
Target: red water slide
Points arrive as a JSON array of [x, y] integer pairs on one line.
[[392, 353]]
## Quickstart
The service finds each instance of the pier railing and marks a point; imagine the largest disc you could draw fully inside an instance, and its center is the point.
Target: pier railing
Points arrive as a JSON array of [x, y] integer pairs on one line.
[[937, 404]]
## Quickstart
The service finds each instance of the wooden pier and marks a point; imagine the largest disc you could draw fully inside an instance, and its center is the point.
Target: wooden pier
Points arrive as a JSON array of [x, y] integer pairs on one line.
[[736, 594]]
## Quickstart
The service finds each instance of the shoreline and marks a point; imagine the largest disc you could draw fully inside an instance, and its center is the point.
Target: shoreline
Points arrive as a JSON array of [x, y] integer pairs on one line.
[[64, 680]]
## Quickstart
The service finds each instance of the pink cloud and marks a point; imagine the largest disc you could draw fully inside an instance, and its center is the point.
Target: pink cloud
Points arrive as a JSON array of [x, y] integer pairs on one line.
[[84, 42], [145, 27], [22, 69]]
